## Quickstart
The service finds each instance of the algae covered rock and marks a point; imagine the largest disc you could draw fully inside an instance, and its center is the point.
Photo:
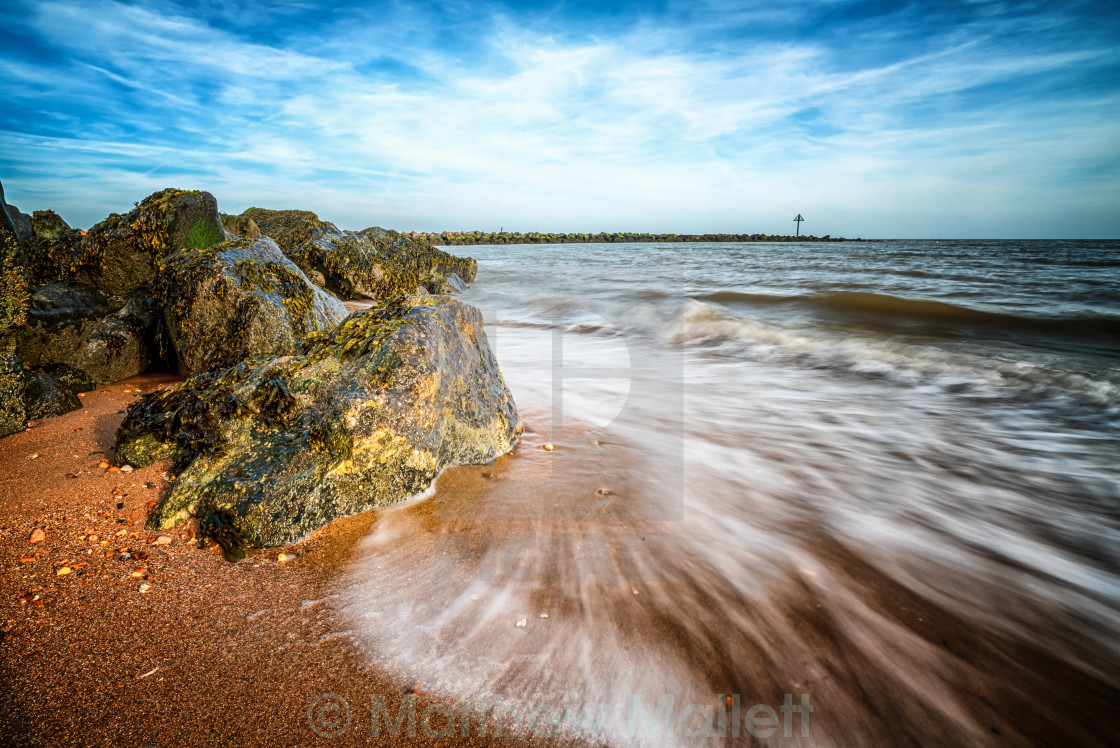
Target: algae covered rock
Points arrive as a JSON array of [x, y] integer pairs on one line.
[[288, 228], [122, 253], [241, 225], [373, 263], [237, 299], [13, 312], [363, 415], [78, 326], [54, 251]]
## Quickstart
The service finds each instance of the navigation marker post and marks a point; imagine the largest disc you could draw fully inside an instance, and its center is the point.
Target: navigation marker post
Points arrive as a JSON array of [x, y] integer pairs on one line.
[[799, 219]]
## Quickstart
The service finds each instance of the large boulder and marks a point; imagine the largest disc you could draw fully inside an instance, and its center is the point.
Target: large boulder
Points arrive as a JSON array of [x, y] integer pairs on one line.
[[373, 263], [13, 312], [80, 327], [238, 299], [121, 254], [364, 415]]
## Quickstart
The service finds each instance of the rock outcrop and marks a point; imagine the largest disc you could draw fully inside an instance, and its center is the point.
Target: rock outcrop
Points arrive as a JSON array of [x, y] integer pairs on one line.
[[237, 299], [80, 327], [121, 254], [364, 415], [13, 312], [373, 263]]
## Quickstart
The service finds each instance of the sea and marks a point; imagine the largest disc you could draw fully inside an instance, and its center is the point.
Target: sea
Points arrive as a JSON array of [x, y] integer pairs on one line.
[[827, 493]]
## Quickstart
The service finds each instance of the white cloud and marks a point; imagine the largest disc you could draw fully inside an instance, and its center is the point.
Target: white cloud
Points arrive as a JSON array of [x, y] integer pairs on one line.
[[634, 132]]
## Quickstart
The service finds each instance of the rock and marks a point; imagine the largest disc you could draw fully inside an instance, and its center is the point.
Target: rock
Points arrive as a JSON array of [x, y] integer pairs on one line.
[[21, 222], [162, 540], [285, 557], [365, 415], [121, 254], [79, 327], [288, 228], [54, 251], [37, 536], [13, 312], [237, 299], [45, 397], [143, 588], [126, 468], [241, 225], [62, 571], [374, 263]]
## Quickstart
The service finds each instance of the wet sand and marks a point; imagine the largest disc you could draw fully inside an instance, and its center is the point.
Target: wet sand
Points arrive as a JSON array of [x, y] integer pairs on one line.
[[235, 654]]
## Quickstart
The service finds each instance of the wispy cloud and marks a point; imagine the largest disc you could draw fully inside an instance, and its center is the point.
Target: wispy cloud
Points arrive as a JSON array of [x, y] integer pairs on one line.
[[985, 121]]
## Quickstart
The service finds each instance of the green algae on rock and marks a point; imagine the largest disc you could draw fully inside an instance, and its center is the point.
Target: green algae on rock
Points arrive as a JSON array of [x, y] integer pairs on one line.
[[365, 415], [238, 299], [122, 253]]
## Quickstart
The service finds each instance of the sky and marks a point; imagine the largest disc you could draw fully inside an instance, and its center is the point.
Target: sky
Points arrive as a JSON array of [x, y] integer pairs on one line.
[[979, 119]]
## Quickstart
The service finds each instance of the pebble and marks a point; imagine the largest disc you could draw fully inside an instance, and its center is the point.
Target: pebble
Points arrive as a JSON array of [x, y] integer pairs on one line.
[[102, 465], [522, 623], [126, 468], [143, 588], [37, 536], [114, 469], [62, 571], [283, 557], [33, 457], [605, 492], [544, 615], [162, 540]]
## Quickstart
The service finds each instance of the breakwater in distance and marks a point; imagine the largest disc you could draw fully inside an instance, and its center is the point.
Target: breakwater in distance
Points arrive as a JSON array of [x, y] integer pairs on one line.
[[459, 238]]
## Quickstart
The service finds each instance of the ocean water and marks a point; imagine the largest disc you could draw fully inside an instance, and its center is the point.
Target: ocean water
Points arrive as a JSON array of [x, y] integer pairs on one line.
[[881, 477]]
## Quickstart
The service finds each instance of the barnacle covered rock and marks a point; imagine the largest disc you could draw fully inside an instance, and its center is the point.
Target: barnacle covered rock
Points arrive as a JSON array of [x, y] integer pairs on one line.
[[13, 312], [237, 299], [122, 253], [373, 263], [363, 415], [80, 327]]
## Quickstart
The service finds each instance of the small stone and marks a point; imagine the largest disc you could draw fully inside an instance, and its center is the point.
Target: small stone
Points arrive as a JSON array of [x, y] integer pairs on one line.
[[547, 447], [102, 465], [33, 457], [62, 571], [162, 540], [126, 468], [522, 623], [37, 536], [114, 469], [544, 615], [121, 532], [284, 557], [604, 492], [143, 588]]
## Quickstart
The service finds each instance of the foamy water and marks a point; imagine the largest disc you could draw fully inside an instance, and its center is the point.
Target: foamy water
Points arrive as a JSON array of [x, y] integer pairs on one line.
[[879, 477]]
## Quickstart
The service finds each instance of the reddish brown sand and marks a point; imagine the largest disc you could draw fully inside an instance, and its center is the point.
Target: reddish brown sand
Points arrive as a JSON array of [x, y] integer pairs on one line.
[[211, 654]]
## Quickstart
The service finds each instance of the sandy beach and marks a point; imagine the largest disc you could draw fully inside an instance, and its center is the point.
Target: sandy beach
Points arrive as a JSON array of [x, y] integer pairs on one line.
[[212, 653]]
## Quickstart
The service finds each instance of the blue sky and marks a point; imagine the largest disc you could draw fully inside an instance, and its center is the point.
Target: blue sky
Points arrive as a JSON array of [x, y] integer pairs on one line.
[[874, 119]]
